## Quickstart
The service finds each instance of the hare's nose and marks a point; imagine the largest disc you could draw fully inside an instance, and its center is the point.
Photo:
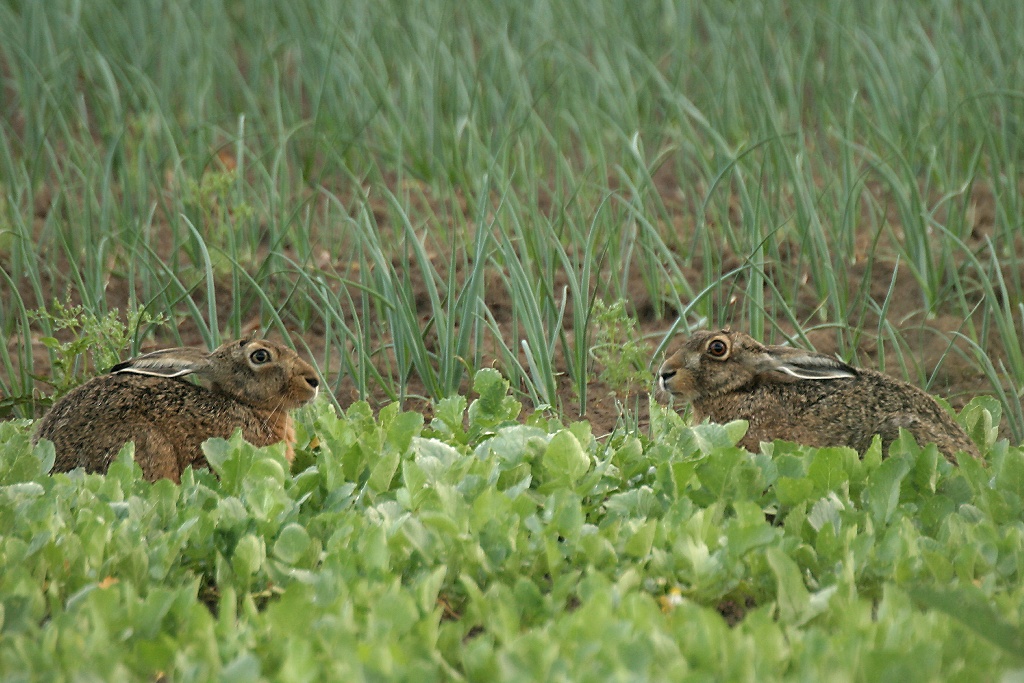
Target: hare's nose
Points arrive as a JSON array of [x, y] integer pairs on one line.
[[313, 382], [663, 377]]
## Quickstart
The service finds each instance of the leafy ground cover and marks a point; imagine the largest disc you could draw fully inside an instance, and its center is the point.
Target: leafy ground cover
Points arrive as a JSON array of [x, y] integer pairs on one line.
[[481, 547]]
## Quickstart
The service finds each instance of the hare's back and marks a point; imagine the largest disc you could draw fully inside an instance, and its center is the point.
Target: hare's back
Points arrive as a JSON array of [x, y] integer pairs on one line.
[[851, 411], [128, 398], [167, 419], [903, 405]]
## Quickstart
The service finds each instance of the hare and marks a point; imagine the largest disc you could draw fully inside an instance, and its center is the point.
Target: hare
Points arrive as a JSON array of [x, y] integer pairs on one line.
[[253, 385], [802, 396]]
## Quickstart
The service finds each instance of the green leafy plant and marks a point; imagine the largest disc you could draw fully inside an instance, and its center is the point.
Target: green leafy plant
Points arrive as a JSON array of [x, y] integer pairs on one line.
[[621, 355], [96, 342], [482, 547], [222, 215]]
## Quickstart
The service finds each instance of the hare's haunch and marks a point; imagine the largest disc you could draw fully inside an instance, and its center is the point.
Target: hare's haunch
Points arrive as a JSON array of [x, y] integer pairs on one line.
[[253, 384], [802, 396]]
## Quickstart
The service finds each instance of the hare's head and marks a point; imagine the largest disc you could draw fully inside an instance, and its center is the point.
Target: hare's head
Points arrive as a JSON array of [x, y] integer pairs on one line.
[[257, 372], [714, 363]]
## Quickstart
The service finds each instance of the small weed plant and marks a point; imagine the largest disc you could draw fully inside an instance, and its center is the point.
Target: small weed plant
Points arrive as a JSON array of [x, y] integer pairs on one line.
[[620, 352], [94, 343]]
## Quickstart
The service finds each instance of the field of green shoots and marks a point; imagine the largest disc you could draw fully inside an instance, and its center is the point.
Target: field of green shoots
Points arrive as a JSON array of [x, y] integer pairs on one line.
[[484, 222]]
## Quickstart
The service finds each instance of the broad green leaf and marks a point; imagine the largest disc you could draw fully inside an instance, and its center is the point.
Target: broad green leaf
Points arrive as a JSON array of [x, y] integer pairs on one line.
[[22, 462], [243, 669], [494, 406], [249, 555], [790, 459], [565, 513], [217, 452], [792, 596], [291, 543], [402, 429], [926, 469], [384, 471], [428, 588], [641, 539], [513, 445], [882, 492], [565, 461], [980, 418], [435, 454], [968, 605], [19, 494], [749, 529], [45, 452], [395, 610], [796, 604], [630, 458], [1010, 473], [736, 430], [826, 511], [794, 491], [450, 412], [231, 459], [682, 474], [372, 547], [640, 502], [710, 436], [266, 467], [718, 473], [829, 469]]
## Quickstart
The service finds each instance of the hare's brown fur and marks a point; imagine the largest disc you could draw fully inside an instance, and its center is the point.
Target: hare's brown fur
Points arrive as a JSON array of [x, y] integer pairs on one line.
[[253, 385], [802, 396]]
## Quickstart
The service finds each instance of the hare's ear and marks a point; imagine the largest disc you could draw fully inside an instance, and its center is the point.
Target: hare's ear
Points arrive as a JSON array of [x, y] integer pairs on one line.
[[166, 363], [813, 366]]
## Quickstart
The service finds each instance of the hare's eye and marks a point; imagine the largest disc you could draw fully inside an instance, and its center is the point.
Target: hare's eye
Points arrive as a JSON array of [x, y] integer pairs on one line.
[[260, 356], [717, 348]]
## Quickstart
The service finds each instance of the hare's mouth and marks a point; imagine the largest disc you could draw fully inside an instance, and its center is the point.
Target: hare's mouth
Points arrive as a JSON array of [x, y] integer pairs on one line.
[[308, 387], [297, 395], [310, 395], [665, 393], [679, 387], [664, 377]]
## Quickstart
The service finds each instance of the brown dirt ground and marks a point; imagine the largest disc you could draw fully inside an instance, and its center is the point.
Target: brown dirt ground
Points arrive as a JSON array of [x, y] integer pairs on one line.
[[927, 337]]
